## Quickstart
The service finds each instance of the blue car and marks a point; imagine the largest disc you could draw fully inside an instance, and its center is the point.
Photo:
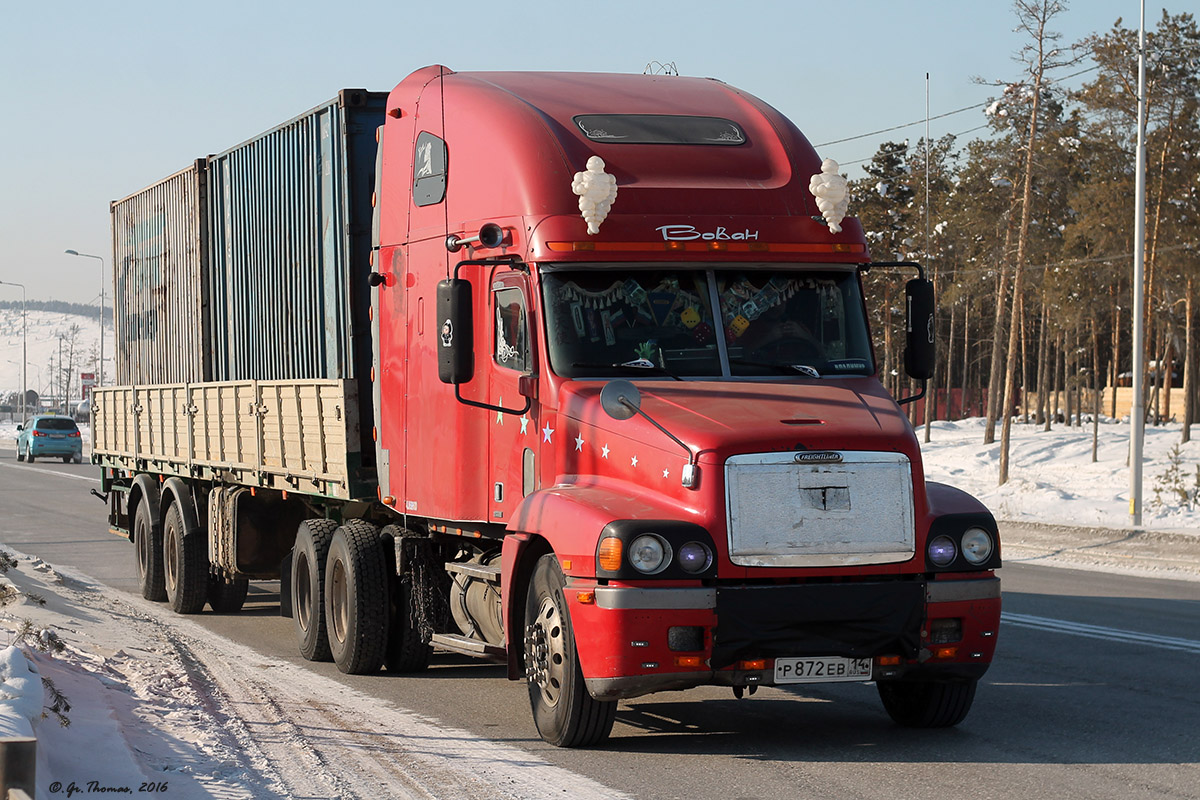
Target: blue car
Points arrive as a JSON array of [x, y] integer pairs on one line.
[[49, 436]]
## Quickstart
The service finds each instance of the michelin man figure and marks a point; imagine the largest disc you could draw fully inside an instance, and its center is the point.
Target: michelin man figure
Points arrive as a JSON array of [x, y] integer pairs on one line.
[[597, 190], [832, 193]]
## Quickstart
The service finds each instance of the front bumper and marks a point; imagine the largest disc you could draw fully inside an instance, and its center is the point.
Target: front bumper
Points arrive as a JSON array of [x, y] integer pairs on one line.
[[638, 640]]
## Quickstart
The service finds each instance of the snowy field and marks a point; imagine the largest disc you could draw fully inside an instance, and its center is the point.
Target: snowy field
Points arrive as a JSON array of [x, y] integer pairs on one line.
[[1052, 478]]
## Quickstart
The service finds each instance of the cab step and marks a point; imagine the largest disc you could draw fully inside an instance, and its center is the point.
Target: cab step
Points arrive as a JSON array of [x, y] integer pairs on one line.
[[457, 643]]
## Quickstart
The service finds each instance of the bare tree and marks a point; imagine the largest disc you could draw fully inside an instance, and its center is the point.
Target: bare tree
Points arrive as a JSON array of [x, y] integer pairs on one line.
[[1040, 55]]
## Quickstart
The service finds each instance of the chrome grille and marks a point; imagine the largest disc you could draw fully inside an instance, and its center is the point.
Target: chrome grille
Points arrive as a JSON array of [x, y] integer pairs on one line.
[[811, 510]]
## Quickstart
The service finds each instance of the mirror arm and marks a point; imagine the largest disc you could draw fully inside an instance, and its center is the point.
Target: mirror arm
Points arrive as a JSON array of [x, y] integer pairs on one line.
[[689, 472], [915, 397], [489, 406]]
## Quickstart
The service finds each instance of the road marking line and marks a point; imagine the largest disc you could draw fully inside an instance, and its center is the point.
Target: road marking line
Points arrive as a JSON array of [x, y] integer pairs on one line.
[[1098, 632], [52, 472]]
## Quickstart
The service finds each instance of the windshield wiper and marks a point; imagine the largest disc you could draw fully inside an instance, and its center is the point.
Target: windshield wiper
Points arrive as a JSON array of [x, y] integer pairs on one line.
[[641, 365], [781, 369]]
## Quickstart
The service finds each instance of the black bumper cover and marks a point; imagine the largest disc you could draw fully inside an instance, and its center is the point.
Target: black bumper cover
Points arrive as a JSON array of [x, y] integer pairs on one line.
[[856, 620]]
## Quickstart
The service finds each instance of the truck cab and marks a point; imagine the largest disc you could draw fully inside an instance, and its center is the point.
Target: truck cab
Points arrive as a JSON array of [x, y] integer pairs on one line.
[[624, 378]]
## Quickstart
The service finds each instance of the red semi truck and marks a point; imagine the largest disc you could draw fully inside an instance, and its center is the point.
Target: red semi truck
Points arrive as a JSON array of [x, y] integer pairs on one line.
[[568, 371]]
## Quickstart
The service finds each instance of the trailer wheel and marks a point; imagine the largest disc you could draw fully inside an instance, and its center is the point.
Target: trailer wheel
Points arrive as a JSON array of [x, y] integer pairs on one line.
[[356, 598], [407, 650], [186, 562], [565, 714], [227, 596], [308, 587], [927, 704], [148, 554]]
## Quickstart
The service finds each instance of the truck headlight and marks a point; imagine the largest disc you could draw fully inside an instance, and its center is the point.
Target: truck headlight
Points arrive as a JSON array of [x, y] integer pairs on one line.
[[977, 546], [942, 551], [649, 553], [694, 557]]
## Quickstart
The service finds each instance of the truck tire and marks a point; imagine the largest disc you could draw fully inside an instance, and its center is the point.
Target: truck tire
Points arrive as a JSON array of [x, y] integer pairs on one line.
[[308, 587], [356, 598], [227, 596], [927, 704], [407, 651], [565, 714], [186, 562], [148, 554]]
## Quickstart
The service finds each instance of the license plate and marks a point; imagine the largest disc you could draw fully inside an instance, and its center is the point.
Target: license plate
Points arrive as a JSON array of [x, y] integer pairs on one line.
[[823, 669]]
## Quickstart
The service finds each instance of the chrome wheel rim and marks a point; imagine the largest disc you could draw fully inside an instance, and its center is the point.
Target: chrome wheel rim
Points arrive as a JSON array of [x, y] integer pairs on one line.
[[545, 652]]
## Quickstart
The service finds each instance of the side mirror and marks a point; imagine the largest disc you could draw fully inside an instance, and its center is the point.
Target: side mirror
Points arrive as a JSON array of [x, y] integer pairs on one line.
[[456, 331], [919, 353]]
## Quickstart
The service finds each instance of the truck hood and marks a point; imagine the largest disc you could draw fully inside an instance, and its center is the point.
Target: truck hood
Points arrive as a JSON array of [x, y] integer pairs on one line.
[[720, 419]]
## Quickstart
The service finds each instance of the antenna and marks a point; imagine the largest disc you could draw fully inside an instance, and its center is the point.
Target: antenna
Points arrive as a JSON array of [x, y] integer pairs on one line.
[[659, 68]]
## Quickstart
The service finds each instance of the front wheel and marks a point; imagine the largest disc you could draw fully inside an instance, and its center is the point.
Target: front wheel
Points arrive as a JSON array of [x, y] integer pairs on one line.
[[20, 453], [927, 704], [565, 714]]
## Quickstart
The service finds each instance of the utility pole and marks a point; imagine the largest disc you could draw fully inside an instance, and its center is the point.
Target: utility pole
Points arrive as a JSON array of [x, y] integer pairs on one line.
[[24, 346], [100, 371], [1137, 412]]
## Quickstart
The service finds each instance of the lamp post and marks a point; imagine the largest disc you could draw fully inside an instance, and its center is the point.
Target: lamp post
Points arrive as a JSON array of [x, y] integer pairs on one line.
[[24, 346], [100, 372]]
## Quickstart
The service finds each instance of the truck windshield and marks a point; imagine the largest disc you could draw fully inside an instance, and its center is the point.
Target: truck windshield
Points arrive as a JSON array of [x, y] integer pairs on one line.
[[770, 322]]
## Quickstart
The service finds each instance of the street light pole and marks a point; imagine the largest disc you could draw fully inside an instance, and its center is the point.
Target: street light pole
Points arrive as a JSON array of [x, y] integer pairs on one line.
[[24, 347], [100, 372]]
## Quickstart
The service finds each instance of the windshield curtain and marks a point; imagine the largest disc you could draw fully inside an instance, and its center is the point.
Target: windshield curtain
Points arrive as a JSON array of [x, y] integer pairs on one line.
[[774, 322]]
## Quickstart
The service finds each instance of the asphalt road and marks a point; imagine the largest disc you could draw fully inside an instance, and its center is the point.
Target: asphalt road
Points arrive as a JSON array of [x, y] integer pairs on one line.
[[1092, 695]]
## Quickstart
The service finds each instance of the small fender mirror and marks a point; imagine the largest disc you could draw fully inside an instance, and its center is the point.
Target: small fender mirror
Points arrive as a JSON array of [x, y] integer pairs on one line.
[[620, 399]]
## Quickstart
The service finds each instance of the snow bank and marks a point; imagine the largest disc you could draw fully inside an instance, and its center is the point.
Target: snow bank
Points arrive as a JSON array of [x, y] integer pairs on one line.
[[21, 696]]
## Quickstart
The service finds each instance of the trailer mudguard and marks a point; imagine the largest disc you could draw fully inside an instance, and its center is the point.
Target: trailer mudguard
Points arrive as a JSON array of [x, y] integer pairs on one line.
[[144, 489], [177, 490]]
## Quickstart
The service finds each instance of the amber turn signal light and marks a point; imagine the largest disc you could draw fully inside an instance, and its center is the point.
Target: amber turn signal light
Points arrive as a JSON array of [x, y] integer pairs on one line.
[[609, 555]]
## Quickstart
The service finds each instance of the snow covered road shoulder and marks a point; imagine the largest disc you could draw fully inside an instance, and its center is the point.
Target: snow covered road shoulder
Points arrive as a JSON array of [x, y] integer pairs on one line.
[[160, 705]]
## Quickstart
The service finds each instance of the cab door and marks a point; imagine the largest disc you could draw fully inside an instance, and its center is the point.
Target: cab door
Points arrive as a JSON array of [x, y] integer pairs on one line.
[[516, 432]]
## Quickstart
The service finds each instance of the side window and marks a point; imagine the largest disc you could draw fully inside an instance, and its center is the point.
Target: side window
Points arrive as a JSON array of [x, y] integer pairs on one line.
[[511, 345], [429, 170]]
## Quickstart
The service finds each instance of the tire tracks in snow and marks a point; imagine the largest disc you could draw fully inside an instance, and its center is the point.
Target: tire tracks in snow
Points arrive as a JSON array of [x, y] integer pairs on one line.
[[310, 736]]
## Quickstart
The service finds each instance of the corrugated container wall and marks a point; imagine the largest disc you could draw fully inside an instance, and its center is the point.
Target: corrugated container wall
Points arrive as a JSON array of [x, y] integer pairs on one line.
[[289, 219], [158, 263]]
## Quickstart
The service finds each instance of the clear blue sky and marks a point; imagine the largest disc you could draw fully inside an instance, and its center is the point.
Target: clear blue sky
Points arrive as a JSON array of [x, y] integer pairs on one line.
[[101, 99]]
